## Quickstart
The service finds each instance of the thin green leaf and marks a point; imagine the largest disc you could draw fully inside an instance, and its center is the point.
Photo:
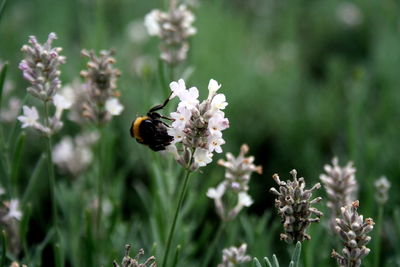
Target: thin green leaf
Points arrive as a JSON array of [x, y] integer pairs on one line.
[[397, 220], [27, 211], [58, 254], [88, 240], [5, 66], [39, 249], [33, 180], [267, 262], [16, 162], [153, 250], [275, 259], [256, 263], [177, 254], [296, 254], [291, 264], [3, 248]]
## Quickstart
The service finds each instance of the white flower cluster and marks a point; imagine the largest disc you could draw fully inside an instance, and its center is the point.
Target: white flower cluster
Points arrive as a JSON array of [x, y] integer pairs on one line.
[[173, 28], [237, 177], [74, 155], [233, 256], [197, 126], [30, 117]]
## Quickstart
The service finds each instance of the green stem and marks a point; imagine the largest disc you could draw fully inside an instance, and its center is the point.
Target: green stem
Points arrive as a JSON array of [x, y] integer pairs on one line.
[[99, 26], [52, 181], [171, 231], [211, 249], [99, 182], [6, 160], [377, 249]]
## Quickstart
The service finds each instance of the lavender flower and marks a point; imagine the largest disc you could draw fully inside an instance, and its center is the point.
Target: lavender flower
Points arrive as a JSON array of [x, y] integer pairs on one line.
[[234, 255], [239, 169], [129, 262], [382, 186], [237, 177], [10, 216], [340, 185], [174, 29], [294, 206], [197, 127], [101, 97], [30, 117], [353, 231], [40, 67], [74, 155]]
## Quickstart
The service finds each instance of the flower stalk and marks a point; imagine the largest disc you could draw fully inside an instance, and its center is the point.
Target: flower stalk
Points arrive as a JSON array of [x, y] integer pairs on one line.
[[178, 207], [50, 168], [382, 186]]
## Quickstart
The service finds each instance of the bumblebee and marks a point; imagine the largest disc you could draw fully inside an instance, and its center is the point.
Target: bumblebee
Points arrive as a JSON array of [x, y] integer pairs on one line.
[[150, 130]]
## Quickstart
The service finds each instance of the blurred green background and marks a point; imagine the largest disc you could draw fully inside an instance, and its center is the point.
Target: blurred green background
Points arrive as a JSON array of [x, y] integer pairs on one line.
[[305, 80]]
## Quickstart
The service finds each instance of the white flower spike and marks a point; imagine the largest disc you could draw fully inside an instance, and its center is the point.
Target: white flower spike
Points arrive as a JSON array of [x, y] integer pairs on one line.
[[197, 126]]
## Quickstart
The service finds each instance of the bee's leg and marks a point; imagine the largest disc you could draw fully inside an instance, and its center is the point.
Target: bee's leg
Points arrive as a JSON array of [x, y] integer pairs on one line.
[[167, 118], [166, 125], [158, 107], [157, 147]]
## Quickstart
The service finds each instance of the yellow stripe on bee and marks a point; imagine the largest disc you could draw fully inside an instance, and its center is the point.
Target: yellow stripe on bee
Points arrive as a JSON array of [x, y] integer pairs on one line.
[[136, 125]]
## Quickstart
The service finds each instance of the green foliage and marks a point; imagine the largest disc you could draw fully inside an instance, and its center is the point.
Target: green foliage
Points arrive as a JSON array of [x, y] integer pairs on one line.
[[294, 262], [302, 84], [3, 74]]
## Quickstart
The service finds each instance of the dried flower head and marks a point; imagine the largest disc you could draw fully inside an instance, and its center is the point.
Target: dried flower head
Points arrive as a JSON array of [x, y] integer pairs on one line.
[[353, 231], [197, 127], [101, 101], [129, 262], [73, 156], [174, 29], [382, 186], [239, 169], [340, 185], [294, 206], [237, 177], [41, 67], [234, 255]]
